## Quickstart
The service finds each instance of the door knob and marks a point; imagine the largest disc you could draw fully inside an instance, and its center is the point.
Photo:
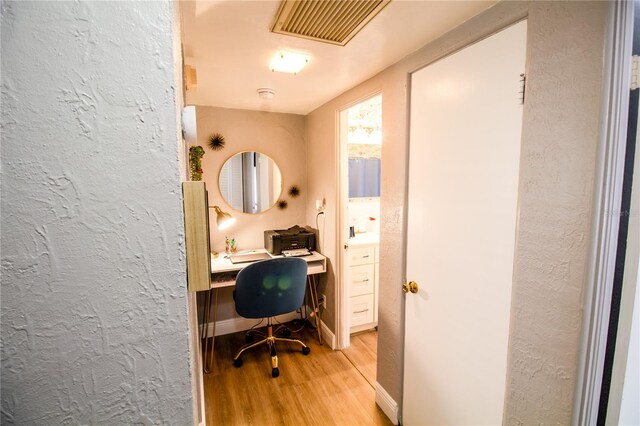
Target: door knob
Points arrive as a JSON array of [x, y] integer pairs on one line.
[[411, 287]]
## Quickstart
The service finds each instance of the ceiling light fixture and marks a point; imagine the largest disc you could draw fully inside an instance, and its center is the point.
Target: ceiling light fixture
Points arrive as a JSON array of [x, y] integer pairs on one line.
[[266, 93], [289, 62]]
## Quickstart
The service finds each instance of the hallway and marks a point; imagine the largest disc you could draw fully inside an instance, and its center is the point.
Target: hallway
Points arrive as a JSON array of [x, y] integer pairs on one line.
[[323, 388]]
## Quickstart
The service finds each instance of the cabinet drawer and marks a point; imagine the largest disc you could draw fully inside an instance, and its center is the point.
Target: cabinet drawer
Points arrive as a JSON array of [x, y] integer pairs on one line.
[[361, 255], [361, 279], [361, 309]]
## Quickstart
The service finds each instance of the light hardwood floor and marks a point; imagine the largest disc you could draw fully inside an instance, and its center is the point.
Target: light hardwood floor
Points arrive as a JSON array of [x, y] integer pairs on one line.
[[323, 388], [363, 354]]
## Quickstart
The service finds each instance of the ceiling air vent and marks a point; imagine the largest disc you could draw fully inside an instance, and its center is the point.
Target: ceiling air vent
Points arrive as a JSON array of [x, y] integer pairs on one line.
[[330, 21]]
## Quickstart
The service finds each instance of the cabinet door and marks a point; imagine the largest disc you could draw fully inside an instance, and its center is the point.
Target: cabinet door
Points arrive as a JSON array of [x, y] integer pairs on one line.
[[196, 226], [362, 280]]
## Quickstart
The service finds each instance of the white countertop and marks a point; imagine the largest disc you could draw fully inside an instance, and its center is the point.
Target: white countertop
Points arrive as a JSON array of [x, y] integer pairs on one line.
[[365, 238], [223, 271]]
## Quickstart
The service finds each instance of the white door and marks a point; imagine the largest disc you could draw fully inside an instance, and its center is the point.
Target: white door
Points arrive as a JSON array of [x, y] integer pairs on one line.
[[463, 184]]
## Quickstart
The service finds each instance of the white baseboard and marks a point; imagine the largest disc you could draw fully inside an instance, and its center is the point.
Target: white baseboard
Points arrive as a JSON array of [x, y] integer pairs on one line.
[[328, 336], [233, 325], [387, 404], [363, 327]]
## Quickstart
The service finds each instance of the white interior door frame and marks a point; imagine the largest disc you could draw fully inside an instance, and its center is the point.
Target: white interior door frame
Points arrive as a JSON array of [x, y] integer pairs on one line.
[[343, 326], [608, 194], [622, 405], [342, 236]]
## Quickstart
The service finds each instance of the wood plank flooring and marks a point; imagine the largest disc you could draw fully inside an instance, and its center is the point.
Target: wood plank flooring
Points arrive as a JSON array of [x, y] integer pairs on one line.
[[323, 388], [363, 354]]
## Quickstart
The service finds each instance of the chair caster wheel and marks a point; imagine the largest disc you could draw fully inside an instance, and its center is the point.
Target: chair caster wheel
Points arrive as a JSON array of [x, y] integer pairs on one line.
[[286, 332], [275, 372], [248, 338], [306, 350], [237, 363]]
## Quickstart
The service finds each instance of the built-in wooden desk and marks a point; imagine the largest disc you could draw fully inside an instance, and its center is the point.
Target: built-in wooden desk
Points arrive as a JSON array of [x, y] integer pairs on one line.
[[223, 274]]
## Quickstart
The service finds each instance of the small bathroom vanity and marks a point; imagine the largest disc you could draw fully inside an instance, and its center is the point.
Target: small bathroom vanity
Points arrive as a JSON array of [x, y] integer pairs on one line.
[[363, 281]]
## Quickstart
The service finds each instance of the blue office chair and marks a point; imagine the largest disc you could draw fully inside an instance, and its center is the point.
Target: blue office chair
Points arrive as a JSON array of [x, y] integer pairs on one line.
[[266, 289]]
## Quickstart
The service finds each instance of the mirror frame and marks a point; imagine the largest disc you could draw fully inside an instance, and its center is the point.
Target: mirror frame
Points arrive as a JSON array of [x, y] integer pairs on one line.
[[278, 198]]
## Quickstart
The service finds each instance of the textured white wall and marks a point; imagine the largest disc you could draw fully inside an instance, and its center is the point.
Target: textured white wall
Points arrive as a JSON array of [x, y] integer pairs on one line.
[[94, 311], [560, 135]]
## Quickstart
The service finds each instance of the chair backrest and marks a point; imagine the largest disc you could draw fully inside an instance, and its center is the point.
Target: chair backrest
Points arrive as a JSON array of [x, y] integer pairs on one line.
[[271, 287]]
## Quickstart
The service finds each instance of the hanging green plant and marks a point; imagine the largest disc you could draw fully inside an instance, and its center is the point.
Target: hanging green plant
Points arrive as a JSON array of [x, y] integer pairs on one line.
[[195, 163], [282, 204], [294, 191], [216, 142]]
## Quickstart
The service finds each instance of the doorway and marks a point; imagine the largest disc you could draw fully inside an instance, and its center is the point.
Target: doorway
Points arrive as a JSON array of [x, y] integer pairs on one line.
[[360, 165]]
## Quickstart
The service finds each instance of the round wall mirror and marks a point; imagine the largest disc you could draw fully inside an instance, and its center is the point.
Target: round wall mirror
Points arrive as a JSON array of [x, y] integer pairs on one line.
[[250, 182]]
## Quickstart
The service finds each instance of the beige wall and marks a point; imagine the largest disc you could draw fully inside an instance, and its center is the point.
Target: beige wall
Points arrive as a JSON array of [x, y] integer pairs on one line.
[[560, 134], [281, 137]]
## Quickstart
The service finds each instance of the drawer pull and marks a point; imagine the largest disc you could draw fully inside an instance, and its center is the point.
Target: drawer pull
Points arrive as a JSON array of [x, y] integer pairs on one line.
[[364, 257], [363, 281], [360, 312]]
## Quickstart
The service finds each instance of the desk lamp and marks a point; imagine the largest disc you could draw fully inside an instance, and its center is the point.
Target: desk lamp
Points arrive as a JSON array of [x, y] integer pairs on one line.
[[223, 219]]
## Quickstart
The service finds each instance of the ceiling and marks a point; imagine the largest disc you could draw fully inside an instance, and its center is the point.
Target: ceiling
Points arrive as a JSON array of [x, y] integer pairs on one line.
[[230, 45]]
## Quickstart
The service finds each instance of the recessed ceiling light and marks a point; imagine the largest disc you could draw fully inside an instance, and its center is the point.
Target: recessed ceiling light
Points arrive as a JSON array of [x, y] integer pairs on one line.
[[289, 62]]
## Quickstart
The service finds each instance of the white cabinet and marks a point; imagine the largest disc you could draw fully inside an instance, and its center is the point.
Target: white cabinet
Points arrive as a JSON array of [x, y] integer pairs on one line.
[[363, 286], [361, 255], [361, 312]]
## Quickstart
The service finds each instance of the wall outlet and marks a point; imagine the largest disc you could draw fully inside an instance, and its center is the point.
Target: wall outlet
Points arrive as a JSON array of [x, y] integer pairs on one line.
[[320, 205], [322, 300]]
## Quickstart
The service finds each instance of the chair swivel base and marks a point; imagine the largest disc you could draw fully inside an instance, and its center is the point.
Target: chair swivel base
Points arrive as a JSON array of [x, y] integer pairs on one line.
[[248, 336], [270, 339]]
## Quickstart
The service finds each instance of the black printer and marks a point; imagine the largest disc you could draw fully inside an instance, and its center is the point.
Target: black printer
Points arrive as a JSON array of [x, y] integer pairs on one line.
[[278, 240]]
